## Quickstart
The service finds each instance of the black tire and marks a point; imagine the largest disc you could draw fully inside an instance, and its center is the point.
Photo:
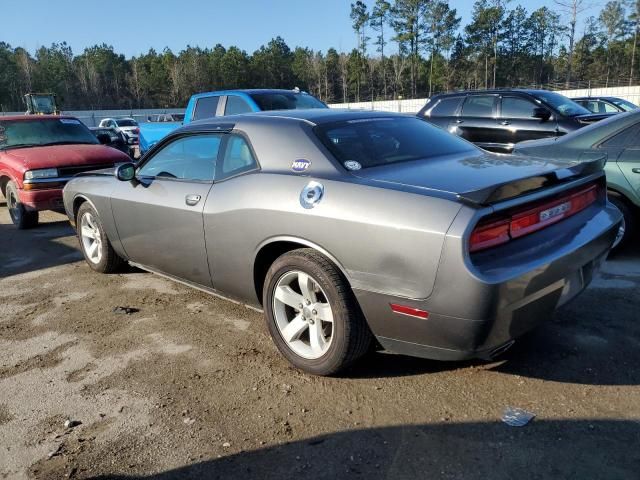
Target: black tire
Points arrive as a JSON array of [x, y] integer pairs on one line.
[[351, 336], [629, 219], [20, 216], [109, 261]]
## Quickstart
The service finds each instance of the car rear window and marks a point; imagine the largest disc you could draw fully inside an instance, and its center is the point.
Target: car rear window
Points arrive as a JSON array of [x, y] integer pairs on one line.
[[286, 101], [372, 142], [446, 107], [126, 123]]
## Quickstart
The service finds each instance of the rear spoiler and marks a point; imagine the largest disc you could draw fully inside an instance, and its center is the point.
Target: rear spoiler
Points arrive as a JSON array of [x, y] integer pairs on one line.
[[584, 167]]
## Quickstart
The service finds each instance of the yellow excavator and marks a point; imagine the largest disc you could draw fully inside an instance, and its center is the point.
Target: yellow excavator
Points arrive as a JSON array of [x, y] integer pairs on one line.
[[41, 104]]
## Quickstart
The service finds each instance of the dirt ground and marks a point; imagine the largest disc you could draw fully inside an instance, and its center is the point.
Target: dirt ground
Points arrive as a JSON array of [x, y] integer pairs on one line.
[[191, 386]]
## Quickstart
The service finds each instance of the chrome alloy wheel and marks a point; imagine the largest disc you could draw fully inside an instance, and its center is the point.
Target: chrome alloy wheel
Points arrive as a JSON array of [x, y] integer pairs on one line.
[[91, 239], [303, 315]]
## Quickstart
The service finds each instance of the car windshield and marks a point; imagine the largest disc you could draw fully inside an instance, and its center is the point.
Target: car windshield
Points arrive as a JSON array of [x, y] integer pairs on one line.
[[624, 104], [562, 104], [286, 101], [372, 142], [39, 131], [126, 123]]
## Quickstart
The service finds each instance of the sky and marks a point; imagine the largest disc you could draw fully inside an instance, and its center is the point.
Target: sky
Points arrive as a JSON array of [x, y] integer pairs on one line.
[[133, 27]]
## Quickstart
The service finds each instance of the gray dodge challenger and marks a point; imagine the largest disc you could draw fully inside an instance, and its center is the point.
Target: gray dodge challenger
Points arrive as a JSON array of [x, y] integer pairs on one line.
[[352, 230]]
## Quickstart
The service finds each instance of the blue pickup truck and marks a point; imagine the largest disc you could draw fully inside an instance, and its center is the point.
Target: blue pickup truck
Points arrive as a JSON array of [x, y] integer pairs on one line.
[[228, 102]]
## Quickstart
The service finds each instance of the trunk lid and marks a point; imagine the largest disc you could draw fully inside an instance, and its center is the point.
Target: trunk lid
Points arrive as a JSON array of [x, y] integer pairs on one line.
[[481, 179]]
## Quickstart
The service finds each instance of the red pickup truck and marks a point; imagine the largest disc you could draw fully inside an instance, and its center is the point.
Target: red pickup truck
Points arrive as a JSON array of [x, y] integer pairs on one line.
[[38, 155]]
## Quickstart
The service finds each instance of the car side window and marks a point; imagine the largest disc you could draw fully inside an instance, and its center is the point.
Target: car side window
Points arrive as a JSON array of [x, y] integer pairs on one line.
[[236, 105], [446, 107], [205, 108], [608, 108], [238, 157], [478, 106], [627, 138], [186, 158], [515, 107]]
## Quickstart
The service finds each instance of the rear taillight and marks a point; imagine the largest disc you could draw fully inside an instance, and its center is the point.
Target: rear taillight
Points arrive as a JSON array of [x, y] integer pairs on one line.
[[136, 131], [487, 235], [521, 222]]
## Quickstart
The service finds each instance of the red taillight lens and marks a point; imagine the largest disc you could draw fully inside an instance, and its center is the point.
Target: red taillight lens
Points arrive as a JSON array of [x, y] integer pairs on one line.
[[136, 131], [521, 223], [488, 235]]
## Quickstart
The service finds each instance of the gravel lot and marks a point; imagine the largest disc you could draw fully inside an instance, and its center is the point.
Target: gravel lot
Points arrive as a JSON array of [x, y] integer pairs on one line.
[[192, 387]]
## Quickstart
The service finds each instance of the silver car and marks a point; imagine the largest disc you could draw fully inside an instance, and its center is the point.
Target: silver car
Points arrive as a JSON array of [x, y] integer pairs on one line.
[[352, 230]]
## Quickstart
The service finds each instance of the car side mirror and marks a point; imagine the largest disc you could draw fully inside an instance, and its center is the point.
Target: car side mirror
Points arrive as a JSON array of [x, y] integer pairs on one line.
[[125, 172], [541, 113], [104, 139]]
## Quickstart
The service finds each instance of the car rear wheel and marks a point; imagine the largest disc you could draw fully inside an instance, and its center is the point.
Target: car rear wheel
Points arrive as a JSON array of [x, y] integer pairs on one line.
[[20, 216], [95, 245], [312, 314], [627, 227]]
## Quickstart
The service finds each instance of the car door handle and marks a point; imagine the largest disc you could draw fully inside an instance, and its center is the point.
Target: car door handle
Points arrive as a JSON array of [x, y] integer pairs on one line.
[[635, 170], [506, 122], [459, 121], [192, 200]]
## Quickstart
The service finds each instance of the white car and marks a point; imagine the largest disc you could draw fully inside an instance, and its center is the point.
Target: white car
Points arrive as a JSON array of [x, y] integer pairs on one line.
[[128, 126]]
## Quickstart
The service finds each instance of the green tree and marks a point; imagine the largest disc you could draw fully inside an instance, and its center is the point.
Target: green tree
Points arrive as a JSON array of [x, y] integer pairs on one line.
[[442, 23], [380, 17]]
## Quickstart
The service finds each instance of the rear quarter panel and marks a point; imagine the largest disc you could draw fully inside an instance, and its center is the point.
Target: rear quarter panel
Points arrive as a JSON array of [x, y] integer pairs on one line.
[[384, 240]]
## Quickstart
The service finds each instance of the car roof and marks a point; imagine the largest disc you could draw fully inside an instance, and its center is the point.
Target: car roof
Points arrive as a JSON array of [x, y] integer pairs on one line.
[[313, 116], [597, 97], [599, 130], [35, 117], [247, 91], [496, 91]]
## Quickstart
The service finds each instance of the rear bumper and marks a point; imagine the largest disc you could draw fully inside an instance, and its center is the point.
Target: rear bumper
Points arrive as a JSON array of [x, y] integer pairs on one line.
[[477, 316]]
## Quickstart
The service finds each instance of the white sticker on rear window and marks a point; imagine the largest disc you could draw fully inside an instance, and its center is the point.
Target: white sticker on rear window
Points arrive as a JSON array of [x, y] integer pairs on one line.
[[70, 121]]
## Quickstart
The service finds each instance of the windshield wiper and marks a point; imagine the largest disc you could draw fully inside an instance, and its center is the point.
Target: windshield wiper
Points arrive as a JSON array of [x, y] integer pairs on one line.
[[20, 145], [68, 142]]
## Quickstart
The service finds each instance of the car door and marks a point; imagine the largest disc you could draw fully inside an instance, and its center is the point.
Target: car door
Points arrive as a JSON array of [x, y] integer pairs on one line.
[[517, 121], [159, 216], [629, 160], [229, 214], [477, 121]]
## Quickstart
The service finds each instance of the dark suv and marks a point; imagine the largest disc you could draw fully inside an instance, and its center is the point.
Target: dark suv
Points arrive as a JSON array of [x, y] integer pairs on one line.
[[498, 119]]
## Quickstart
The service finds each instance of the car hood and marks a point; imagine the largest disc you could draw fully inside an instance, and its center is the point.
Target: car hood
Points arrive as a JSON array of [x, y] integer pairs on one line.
[[480, 179], [53, 156]]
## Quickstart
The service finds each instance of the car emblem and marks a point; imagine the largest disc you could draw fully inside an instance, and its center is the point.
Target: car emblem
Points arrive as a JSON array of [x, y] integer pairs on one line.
[[300, 165], [553, 212], [311, 194], [352, 165]]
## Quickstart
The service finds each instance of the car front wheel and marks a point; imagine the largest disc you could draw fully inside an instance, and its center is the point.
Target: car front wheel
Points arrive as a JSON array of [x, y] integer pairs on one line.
[[95, 245], [20, 216], [312, 314]]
